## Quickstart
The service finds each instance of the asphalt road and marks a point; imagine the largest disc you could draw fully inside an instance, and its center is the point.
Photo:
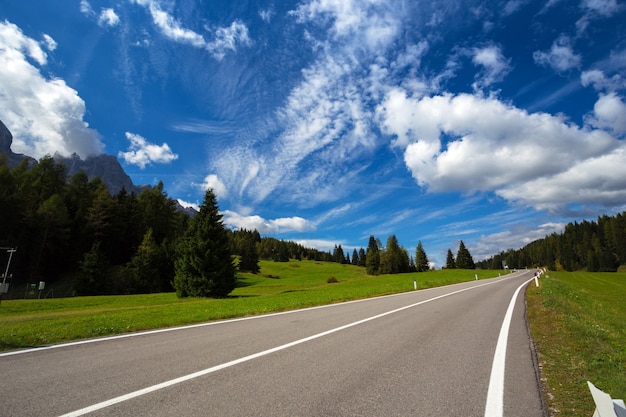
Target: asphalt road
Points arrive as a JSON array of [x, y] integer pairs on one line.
[[422, 353]]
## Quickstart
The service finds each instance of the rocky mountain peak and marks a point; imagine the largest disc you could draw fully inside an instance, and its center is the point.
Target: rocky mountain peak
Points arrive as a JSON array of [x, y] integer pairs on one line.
[[6, 139], [107, 167]]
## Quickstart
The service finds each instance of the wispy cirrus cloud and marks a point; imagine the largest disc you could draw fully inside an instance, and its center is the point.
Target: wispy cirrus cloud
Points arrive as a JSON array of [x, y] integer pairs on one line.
[[596, 9], [326, 121], [219, 42]]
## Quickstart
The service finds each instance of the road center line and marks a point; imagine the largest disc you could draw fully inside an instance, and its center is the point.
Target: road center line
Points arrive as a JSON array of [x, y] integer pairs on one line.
[[207, 371], [495, 393]]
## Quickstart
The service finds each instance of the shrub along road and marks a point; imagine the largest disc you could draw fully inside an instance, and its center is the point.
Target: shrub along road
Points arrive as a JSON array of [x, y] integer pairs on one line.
[[427, 352]]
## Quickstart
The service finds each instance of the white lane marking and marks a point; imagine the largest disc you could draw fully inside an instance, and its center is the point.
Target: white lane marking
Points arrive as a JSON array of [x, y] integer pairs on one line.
[[207, 371], [495, 393], [193, 326]]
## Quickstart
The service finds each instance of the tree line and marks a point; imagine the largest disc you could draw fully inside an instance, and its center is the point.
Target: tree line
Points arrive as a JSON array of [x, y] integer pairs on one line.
[[595, 246], [72, 228]]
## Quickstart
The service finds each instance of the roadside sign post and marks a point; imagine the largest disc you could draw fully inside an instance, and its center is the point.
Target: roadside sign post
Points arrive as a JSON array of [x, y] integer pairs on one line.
[[5, 287], [6, 272]]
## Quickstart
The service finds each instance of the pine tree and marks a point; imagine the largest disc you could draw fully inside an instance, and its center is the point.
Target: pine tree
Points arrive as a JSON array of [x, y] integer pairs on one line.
[[94, 269], [338, 255], [372, 258], [393, 256], [204, 265], [421, 260], [464, 258], [362, 257], [144, 270], [249, 257], [355, 257], [450, 263]]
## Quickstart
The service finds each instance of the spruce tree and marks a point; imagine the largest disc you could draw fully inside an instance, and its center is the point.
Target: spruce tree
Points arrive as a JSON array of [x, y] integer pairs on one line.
[[450, 263], [249, 260], [393, 257], [362, 257], [372, 258], [464, 258], [204, 264], [421, 260]]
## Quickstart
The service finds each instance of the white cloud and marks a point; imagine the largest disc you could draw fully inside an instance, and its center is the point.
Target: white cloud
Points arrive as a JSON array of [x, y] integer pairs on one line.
[[228, 38], [142, 153], [108, 17], [172, 29], [609, 113], [516, 237], [495, 65], [280, 225], [266, 15], [187, 204], [600, 82], [467, 143], [44, 115], [325, 124], [560, 57], [596, 9], [213, 182], [372, 23], [594, 181], [605, 8], [321, 244], [86, 9], [224, 38], [49, 42]]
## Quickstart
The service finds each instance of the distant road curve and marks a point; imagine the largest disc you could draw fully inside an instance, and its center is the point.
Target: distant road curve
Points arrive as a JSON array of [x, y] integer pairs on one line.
[[463, 350]]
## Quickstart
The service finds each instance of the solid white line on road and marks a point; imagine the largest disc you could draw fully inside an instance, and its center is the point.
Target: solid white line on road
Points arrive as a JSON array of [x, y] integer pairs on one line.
[[207, 371], [495, 394], [192, 326]]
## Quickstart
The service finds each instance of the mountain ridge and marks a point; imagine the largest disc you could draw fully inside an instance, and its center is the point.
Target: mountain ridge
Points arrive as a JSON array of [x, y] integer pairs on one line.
[[104, 166]]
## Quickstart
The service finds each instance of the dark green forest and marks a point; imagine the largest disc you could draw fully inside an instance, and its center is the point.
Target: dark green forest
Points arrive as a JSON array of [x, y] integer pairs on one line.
[[595, 246], [73, 229]]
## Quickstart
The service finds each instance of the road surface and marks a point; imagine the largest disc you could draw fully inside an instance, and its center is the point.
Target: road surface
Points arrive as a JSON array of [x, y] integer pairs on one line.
[[437, 352]]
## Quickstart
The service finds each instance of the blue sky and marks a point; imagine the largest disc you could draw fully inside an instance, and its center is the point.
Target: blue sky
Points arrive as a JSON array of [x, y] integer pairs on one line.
[[327, 121]]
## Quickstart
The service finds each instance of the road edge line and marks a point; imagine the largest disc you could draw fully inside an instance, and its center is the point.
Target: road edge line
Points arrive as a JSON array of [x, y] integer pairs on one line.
[[494, 406]]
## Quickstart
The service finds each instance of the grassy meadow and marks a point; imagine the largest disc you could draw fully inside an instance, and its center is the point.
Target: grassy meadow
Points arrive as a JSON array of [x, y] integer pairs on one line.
[[578, 323], [279, 286]]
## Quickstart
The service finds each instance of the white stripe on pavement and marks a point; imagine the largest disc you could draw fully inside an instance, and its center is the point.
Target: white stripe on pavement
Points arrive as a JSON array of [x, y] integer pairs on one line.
[[207, 371], [495, 394]]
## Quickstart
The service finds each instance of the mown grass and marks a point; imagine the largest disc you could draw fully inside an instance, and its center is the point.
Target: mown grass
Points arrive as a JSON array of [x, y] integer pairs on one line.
[[578, 322], [279, 287]]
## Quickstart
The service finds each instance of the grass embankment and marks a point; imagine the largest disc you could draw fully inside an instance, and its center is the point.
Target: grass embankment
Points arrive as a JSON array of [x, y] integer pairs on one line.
[[578, 322], [279, 287]]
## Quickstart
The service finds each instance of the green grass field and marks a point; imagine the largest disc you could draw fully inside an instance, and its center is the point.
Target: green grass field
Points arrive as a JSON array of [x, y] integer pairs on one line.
[[578, 322], [279, 287]]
